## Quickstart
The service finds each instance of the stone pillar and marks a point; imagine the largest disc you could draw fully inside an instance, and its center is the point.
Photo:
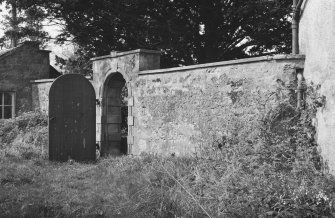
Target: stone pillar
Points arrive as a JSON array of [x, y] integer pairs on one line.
[[128, 64]]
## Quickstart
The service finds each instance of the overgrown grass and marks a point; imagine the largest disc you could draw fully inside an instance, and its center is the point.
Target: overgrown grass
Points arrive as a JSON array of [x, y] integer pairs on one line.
[[151, 186], [277, 174], [25, 136]]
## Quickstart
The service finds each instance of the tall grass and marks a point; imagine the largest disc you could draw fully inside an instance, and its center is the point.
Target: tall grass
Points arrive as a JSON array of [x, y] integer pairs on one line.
[[277, 174], [152, 186], [25, 136]]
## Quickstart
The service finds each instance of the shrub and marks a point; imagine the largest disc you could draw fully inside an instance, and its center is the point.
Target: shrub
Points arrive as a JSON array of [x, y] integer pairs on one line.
[[25, 136]]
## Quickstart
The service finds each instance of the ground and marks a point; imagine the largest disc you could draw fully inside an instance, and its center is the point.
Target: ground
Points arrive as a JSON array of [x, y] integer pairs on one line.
[[231, 181]]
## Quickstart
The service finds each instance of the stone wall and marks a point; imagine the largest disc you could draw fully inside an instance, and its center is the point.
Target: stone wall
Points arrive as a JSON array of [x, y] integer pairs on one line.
[[179, 110], [40, 94], [18, 67], [183, 110], [317, 42]]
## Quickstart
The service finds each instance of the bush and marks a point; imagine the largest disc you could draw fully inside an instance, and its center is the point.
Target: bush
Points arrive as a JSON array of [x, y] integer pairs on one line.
[[25, 136]]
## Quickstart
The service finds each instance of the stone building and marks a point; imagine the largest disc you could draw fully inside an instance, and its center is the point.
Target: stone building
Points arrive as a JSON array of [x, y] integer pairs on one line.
[[18, 66], [317, 42]]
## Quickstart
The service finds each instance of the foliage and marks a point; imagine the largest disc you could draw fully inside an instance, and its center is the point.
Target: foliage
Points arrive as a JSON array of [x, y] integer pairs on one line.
[[24, 24], [25, 136], [79, 63], [124, 111], [187, 32], [288, 134]]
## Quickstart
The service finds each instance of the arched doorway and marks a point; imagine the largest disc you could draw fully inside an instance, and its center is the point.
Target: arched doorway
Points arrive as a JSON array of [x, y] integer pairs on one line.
[[114, 116]]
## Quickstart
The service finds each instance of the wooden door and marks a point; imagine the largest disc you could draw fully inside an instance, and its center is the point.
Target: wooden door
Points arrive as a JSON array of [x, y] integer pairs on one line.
[[72, 119], [112, 116]]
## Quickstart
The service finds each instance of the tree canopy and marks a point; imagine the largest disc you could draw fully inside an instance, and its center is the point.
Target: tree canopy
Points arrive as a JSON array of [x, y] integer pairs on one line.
[[24, 22], [186, 31]]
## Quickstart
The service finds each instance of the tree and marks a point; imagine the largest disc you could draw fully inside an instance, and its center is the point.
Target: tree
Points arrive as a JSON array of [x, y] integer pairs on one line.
[[186, 31], [23, 23], [78, 62]]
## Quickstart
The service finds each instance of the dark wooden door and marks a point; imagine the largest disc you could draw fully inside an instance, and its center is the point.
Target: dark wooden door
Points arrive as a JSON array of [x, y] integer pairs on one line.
[[72, 119], [112, 116]]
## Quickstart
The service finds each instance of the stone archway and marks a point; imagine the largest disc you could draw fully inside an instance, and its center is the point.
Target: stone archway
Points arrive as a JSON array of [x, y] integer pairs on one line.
[[114, 128]]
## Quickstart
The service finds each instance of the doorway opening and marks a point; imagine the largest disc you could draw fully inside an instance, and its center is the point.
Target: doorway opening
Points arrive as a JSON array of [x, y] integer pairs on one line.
[[115, 114]]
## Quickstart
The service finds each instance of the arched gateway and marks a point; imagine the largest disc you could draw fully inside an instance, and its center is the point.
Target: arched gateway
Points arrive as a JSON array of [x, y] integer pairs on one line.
[[114, 127], [114, 80]]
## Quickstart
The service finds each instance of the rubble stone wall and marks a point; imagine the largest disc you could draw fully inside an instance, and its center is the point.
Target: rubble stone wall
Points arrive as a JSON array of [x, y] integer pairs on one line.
[[182, 110]]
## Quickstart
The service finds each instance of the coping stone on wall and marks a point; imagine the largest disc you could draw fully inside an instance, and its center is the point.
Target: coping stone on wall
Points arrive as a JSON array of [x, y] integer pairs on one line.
[[225, 63], [51, 80], [42, 81]]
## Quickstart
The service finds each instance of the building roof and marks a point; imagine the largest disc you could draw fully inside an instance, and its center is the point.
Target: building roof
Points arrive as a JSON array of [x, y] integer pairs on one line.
[[5, 52]]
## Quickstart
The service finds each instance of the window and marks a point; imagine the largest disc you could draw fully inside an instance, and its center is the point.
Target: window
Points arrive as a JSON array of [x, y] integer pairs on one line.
[[7, 105]]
